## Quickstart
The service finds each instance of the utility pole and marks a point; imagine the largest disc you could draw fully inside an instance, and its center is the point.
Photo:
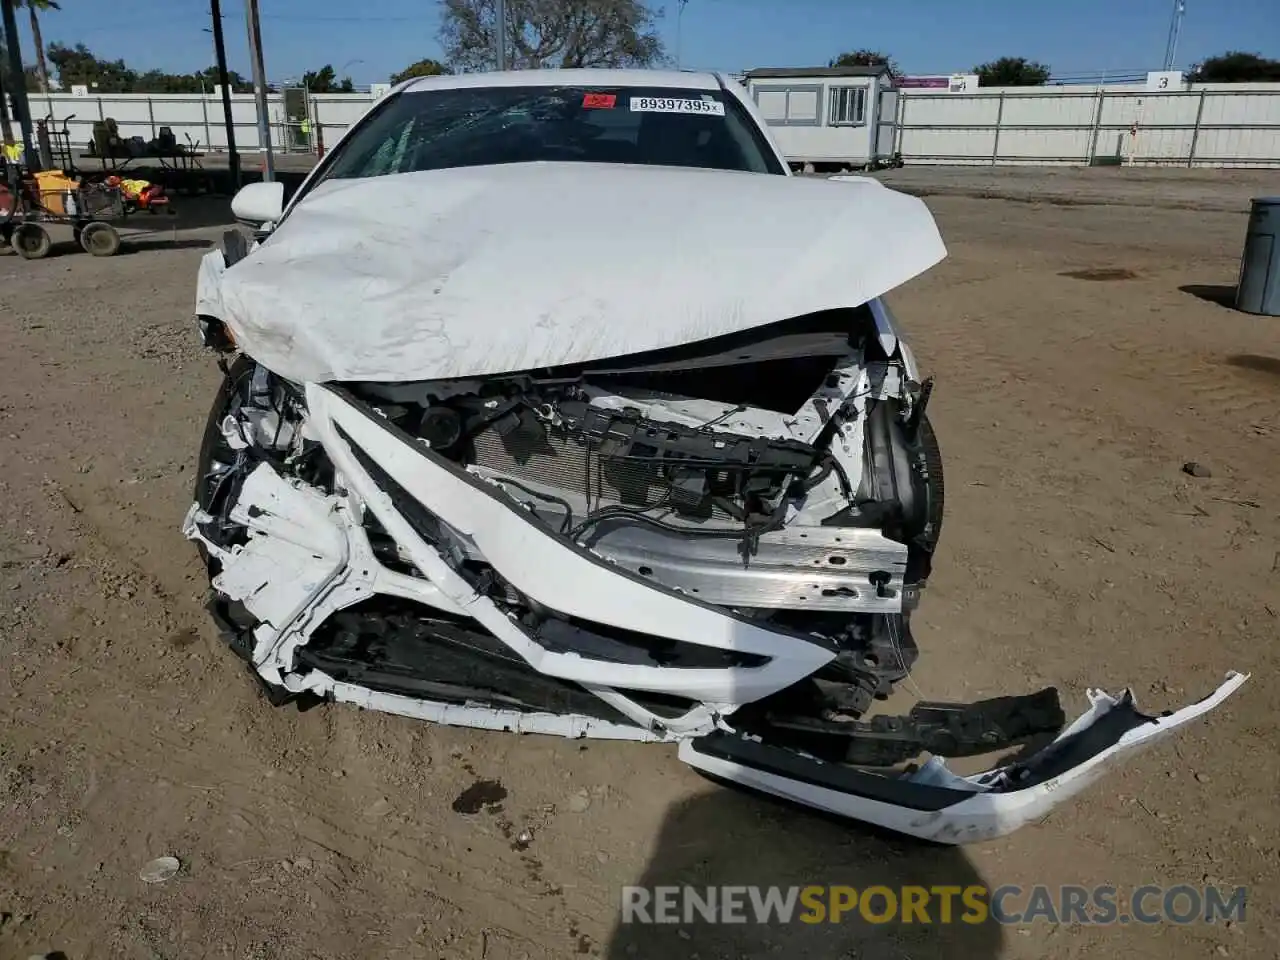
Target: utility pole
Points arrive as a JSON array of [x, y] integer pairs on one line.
[[260, 89], [680, 5], [220, 58], [1175, 30], [500, 33], [21, 108]]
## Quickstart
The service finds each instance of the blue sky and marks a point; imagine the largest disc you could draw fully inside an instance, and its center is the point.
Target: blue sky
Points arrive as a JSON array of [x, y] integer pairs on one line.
[[377, 37]]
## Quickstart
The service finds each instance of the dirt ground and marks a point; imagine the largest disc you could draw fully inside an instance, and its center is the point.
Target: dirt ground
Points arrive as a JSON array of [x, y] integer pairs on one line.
[[1076, 552], [1223, 191]]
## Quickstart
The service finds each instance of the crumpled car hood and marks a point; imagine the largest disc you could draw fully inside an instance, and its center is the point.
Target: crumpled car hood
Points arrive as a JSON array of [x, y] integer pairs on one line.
[[484, 270]]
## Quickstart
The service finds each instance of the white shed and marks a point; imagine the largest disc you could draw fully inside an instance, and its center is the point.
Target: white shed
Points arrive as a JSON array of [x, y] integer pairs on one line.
[[829, 116]]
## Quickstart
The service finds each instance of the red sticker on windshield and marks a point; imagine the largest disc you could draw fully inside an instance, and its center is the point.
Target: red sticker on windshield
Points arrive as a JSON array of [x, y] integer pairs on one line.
[[599, 101]]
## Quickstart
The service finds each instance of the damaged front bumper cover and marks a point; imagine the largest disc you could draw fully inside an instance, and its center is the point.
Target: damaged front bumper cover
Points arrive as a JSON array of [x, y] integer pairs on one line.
[[308, 557], [933, 803]]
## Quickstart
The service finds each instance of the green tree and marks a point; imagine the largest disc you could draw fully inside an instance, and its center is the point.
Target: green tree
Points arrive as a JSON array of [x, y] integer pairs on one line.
[[422, 68], [1012, 72], [867, 58], [552, 33], [157, 81], [1235, 66], [78, 65], [324, 80], [208, 78]]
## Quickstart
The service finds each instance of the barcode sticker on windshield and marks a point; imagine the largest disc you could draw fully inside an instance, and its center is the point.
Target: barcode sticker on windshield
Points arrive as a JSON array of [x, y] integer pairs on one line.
[[674, 105]]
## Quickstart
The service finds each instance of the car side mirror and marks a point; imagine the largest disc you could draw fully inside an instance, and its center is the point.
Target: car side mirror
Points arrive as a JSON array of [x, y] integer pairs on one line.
[[258, 204]]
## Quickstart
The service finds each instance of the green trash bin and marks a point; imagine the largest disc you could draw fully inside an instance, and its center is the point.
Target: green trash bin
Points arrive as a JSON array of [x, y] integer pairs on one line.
[[1259, 288]]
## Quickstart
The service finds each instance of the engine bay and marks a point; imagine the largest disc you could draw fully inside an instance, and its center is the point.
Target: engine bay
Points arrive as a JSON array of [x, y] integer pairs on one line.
[[798, 454], [789, 477]]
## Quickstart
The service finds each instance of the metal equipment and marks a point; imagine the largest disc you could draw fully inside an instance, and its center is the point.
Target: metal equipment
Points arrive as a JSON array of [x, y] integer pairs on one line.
[[28, 202]]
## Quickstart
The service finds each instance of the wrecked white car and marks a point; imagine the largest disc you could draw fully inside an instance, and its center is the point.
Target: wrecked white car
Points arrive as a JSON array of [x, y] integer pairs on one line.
[[559, 406]]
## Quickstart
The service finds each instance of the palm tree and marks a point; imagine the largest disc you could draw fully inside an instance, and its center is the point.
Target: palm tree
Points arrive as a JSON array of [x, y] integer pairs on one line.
[[34, 8]]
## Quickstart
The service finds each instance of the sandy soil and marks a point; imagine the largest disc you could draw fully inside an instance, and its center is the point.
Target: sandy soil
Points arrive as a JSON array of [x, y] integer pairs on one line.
[[1076, 552]]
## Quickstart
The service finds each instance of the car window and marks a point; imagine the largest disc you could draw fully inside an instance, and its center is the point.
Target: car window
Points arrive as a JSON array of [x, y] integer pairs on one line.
[[475, 126]]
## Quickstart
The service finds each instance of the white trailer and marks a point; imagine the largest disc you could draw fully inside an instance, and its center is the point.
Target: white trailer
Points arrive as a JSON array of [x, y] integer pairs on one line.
[[839, 117]]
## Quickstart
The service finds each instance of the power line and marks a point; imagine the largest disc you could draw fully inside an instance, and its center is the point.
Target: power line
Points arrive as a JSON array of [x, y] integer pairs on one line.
[[304, 18], [341, 18], [145, 25]]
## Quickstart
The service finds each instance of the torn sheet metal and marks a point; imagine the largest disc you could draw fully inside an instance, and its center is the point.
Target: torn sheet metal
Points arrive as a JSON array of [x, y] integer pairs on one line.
[[557, 573], [468, 271]]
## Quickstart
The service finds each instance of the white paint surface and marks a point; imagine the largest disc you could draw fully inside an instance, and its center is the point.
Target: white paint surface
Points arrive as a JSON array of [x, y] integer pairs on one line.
[[469, 271]]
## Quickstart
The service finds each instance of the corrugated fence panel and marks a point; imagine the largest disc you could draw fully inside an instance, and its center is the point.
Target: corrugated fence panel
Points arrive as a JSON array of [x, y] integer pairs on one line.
[[1065, 111], [1158, 145], [950, 110], [1236, 109], [947, 129], [1234, 146], [948, 145], [1048, 145], [1166, 110], [336, 113], [1120, 111]]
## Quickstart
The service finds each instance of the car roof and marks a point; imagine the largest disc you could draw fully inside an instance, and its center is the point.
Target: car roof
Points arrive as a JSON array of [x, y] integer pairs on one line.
[[587, 77]]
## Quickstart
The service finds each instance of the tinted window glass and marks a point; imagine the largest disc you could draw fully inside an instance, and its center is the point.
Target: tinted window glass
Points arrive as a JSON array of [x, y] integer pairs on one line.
[[462, 127]]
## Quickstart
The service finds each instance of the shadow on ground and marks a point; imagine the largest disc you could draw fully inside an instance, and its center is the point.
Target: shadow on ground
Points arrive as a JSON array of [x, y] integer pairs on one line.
[[732, 838], [129, 244], [1251, 361], [191, 213], [163, 241], [1222, 295]]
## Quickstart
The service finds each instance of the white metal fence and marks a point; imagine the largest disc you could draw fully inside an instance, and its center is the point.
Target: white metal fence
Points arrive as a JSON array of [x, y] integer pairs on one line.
[[1225, 125], [199, 118]]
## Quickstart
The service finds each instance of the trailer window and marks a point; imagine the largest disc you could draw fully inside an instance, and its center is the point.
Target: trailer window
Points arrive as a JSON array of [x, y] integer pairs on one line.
[[790, 106], [848, 106]]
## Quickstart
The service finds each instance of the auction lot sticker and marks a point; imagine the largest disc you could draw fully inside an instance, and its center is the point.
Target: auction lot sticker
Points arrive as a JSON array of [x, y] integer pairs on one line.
[[675, 105]]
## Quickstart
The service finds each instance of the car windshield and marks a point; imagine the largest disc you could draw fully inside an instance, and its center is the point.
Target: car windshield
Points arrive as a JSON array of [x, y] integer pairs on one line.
[[477, 126]]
